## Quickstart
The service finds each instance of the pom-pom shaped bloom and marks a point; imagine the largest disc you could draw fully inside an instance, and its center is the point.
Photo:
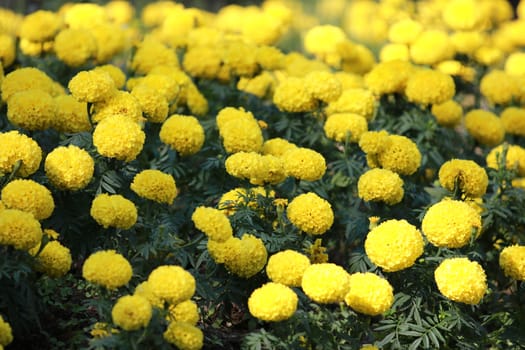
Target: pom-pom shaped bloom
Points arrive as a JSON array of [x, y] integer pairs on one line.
[[120, 103], [287, 267], [28, 196], [172, 283], [277, 146], [27, 78], [401, 155], [394, 52], [184, 336], [260, 85], [515, 64], [427, 86], [325, 283], [485, 127], [431, 46], [248, 256], [273, 302], [447, 113], [374, 142], [381, 185], [461, 280], [70, 115], [404, 31], [213, 222], [369, 294], [338, 126], [54, 260], [389, 77], [514, 158], [91, 86], [186, 311], [155, 185], [323, 85], [119, 137], [108, 269], [245, 165], [19, 229], [152, 53], [113, 211], [144, 289], [7, 52], [394, 245], [357, 101], [470, 177], [131, 312], [31, 109], [153, 105], [512, 262], [304, 164], [291, 95], [451, 224], [183, 133], [498, 87], [513, 119], [239, 134], [463, 14], [75, 47], [118, 76], [6, 333], [40, 26], [69, 168], [310, 213], [322, 40], [223, 252]]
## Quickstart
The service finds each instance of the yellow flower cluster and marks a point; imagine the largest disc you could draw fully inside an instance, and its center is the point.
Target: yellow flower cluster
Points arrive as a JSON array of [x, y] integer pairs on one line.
[[154, 106], [448, 113], [485, 127], [259, 169], [248, 255], [461, 280], [70, 115], [131, 312], [304, 164], [108, 269], [119, 137], [184, 336], [310, 213], [273, 302], [355, 100], [394, 245], [54, 260], [213, 222], [69, 168], [186, 311], [75, 47], [341, 126], [325, 283], [512, 262], [323, 86], [92, 86], [369, 294], [113, 211], [28, 196], [239, 130], [26, 79], [31, 109], [428, 86], [499, 87], [155, 185], [171, 283], [287, 267], [451, 224], [471, 178], [183, 133], [380, 185], [19, 229], [6, 333], [292, 95], [120, 103], [389, 77], [513, 119]]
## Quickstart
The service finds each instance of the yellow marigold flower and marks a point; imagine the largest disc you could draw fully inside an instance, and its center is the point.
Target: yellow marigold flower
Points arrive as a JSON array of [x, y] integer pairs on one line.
[[69, 168], [110, 40], [27, 78], [183, 133], [277, 146], [261, 85], [310, 213], [196, 102], [470, 177], [120, 11], [239, 58], [119, 137], [184, 336], [131, 312], [369, 294], [380, 185], [428, 86], [101, 330], [297, 65], [186, 311], [374, 142], [463, 15], [515, 64], [19, 229], [7, 50], [349, 80], [91, 86], [31, 109], [357, 101], [118, 76], [273, 170], [512, 262], [40, 26], [54, 260], [165, 85], [394, 52], [221, 252], [304, 164], [485, 127], [108, 269], [401, 156], [394, 245], [75, 47], [291, 95], [456, 69], [365, 21], [172, 283], [461, 280], [6, 333], [144, 290], [323, 85], [245, 165], [451, 224], [153, 14], [325, 283], [404, 31], [202, 62], [248, 257], [389, 77], [339, 125], [16, 147], [121, 103], [84, 16], [154, 105], [273, 302], [498, 87], [287, 267], [269, 57], [431, 46], [213, 222], [113, 211], [467, 42], [28, 196], [488, 55], [71, 116], [515, 158], [448, 113], [513, 119], [155, 185]]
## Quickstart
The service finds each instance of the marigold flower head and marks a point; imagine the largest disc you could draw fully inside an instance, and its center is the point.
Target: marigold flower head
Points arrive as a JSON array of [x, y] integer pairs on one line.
[[151, 53], [461, 280], [131, 312], [515, 158], [394, 245], [394, 52], [71, 116], [339, 125], [31, 109], [273, 302], [463, 15], [239, 59], [260, 85], [183, 133], [248, 256], [291, 95], [186, 311], [269, 57], [369, 294], [513, 119], [121, 103], [221, 252], [28, 196], [119, 11], [155, 185], [75, 47], [144, 289], [428, 86], [401, 156], [380, 185], [467, 42], [108, 269], [245, 165], [485, 127], [310, 213], [451, 224], [213, 222], [488, 55], [515, 63], [323, 86], [277, 146], [54, 260], [84, 15], [113, 211], [512, 262], [16, 147], [69, 168], [498, 87], [304, 164], [404, 31], [374, 142], [325, 283], [7, 50], [202, 62], [287, 267], [91, 86], [388, 77], [184, 336], [6, 333], [357, 101], [431, 46], [471, 178], [40, 26], [448, 113], [19, 229], [154, 106], [172, 283], [118, 137], [27, 78]]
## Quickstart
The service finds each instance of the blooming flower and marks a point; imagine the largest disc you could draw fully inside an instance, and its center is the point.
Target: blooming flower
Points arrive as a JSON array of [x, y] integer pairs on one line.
[[54, 260], [512, 262], [213, 222], [431, 46], [74, 47], [154, 106], [277, 146], [513, 119], [485, 127], [120, 103], [357, 100], [28, 196], [186, 311], [155, 185], [131, 312], [171, 283], [273, 302], [404, 31], [498, 87], [7, 50], [325, 283], [119, 137], [338, 126], [388, 77], [448, 113], [27, 78], [461, 280], [304, 164], [69, 168], [471, 178], [184, 336], [151, 53], [113, 211], [40, 26], [247, 256], [70, 115], [463, 15], [514, 159], [31, 109], [381, 185], [374, 142], [19, 229], [401, 156], [241, 196], [144, 289], [291, 95], [91, 86], [427, 86], [310, 213], [369, 294], [323, 86], [287, 267], [183, 133], [107, 268]]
